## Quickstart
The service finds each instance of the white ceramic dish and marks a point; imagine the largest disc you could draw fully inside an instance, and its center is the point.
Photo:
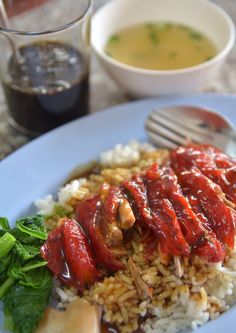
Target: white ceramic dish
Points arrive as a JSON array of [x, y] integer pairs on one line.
[[41, 166], [202, 15]]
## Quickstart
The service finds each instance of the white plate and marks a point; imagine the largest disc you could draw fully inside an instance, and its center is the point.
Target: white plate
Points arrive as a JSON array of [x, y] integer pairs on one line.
[[41, 166]]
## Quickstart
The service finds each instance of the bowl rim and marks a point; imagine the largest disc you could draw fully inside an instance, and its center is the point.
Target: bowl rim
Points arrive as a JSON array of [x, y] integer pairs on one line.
[[219, 56]]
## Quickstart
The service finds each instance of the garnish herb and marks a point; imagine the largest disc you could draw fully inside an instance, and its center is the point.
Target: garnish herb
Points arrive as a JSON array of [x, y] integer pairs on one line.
[[153, 37], [114, 38], [195, 35]]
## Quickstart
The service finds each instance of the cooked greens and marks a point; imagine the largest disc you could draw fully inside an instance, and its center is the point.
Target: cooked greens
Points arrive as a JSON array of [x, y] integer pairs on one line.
[[7, 241], [25, 282]]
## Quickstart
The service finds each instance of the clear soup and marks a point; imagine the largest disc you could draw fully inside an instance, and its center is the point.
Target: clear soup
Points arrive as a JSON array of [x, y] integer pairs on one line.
[[160, 46]]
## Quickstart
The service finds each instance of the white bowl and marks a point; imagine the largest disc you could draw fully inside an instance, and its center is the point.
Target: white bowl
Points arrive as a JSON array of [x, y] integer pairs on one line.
[[201, 15]]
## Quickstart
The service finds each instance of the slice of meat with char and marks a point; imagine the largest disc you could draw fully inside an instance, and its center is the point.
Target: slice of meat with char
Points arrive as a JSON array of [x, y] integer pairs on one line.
[[90, 214], [112, 203], [158, 214], [205, 159], [78, 253], [222, 160], [211, 199], [202, 241], [69, 256], [197, 209]]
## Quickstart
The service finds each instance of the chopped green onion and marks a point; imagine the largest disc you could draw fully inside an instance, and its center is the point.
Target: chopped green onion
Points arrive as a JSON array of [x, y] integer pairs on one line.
[[195, 35], [153, 37], [114, 38]]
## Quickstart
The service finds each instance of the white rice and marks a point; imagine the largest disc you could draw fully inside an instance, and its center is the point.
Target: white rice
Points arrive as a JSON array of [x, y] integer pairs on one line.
[[187, 313], [70, 190], [45, 206], [124, 154]]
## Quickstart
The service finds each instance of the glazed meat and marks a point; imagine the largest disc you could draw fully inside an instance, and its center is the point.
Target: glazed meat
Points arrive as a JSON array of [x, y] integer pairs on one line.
[[214, 164], [69, 256], [185, 207]]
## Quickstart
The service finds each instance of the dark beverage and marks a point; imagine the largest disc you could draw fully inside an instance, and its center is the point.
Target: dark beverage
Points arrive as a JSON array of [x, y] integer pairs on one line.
[[49, 88]]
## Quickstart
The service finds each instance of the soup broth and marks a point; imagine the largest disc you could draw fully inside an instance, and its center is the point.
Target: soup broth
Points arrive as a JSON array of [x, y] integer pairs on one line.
[[160, 46]]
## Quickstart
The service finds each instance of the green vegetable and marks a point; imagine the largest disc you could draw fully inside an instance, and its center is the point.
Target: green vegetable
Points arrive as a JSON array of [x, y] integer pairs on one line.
[[4, 265], [7, 242], [4, 224], [26, 252], [33, 226], [24, 306], [25, 281], [24, 238], [29, 275], [6, 286]]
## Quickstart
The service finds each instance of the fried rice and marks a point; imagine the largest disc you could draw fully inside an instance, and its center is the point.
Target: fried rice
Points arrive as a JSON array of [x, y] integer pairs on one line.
[[182, 294]]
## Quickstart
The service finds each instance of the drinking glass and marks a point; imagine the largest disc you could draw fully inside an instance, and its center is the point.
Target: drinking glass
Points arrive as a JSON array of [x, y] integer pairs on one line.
[[44, 62]]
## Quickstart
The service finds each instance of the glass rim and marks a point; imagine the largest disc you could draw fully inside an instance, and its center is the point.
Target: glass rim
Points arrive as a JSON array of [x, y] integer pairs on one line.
[[63, 27]]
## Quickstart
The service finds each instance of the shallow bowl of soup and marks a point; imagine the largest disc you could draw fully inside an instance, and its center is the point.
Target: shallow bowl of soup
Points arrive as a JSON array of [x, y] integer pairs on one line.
[[161, 47]]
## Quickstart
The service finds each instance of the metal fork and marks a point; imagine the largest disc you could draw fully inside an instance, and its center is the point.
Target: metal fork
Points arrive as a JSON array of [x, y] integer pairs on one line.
[[173, 126]]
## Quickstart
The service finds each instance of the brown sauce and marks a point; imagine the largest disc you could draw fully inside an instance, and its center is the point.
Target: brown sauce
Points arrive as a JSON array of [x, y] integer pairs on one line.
[[49, 88], [105, 328]]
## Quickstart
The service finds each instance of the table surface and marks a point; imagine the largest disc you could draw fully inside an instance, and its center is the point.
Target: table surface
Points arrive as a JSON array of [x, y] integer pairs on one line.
[[105, 92]]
